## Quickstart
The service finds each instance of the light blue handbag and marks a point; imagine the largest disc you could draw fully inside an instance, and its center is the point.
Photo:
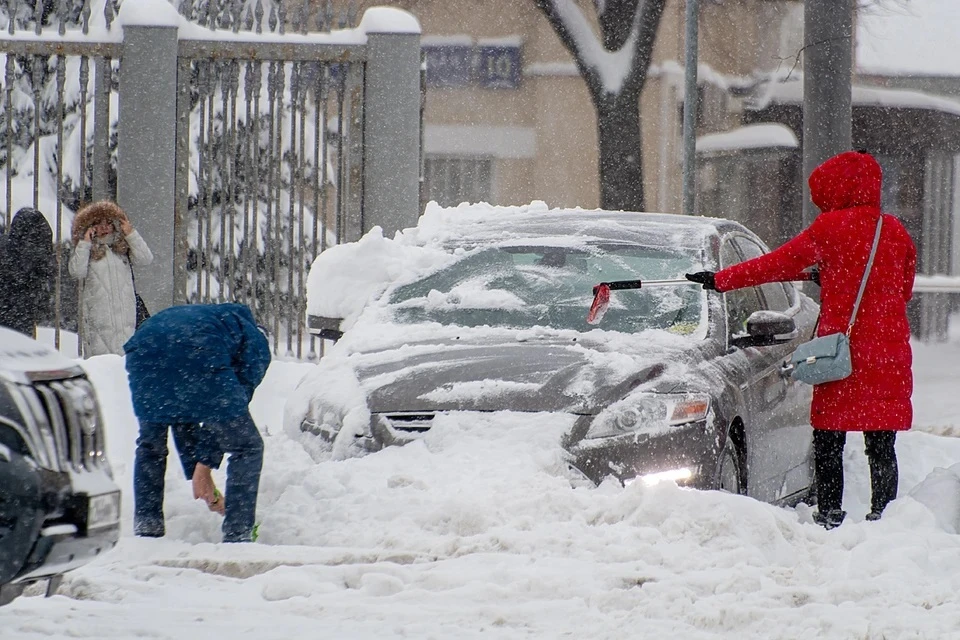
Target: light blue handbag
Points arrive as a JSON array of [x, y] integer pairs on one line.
[[827, 358]]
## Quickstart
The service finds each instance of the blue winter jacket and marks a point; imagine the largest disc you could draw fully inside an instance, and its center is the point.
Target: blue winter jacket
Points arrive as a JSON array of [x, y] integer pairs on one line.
[[196, 363]]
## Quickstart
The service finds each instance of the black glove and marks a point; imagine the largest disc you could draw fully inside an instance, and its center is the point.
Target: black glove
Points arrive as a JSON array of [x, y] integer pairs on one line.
[[815, 276], [703, 277]]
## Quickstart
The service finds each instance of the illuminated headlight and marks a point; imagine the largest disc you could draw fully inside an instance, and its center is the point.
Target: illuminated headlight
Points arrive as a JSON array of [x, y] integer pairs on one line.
[[673, 475], [649, 414]]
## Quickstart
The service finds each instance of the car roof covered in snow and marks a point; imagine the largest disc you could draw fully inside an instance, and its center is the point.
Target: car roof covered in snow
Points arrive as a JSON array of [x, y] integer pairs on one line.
[[574, 226], [343, 277]]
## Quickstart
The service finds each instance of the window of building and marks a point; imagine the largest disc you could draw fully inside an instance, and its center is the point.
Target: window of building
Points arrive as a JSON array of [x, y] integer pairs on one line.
[[450, 180]]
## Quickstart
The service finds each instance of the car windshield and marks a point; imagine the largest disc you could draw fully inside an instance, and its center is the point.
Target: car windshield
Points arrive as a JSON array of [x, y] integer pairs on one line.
[[552, 286]]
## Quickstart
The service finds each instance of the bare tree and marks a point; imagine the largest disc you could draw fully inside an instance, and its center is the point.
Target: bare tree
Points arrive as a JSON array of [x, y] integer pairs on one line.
[[614, 64]]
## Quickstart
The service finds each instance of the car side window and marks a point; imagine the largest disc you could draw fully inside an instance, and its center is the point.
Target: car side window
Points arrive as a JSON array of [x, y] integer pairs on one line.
[[740, 302], [774, 293]]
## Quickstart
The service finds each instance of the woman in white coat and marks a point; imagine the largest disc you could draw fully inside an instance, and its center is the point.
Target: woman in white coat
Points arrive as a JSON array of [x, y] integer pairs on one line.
[[105, 247]]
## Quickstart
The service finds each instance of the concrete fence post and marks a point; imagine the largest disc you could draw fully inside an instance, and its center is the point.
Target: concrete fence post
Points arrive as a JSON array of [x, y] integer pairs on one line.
[[391, 132], [146, 150]]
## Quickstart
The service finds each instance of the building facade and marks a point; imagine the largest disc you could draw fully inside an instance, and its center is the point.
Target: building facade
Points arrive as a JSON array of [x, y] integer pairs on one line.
[[509, 120]]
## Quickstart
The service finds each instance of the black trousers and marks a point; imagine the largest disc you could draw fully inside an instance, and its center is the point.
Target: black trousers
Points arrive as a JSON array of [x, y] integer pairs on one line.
[[828, 462]]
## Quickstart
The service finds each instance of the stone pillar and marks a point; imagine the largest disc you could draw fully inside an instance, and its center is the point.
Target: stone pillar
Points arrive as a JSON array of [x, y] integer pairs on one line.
[[391, 133], [146, 153]]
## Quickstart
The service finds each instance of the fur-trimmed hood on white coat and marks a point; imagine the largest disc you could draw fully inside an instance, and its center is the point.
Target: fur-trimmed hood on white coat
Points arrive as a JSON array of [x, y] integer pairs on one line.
[[107, 297]]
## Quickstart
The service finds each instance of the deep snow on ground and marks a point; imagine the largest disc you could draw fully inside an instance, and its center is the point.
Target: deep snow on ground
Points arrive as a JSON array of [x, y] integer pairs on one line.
[[475, 532]]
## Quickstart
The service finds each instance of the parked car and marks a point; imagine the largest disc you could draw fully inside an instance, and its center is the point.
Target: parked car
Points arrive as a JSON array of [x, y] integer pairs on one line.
[[59, 506], [675, 382]]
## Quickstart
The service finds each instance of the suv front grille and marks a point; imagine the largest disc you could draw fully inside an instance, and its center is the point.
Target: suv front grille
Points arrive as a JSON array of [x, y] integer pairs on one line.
[[68, 421]]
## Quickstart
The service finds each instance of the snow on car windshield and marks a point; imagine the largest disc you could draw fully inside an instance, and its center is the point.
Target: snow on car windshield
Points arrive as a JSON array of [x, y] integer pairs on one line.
[[512, 286], [344, 279]]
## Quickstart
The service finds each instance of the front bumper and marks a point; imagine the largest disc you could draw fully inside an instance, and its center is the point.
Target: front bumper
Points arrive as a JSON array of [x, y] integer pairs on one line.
[[58, 550], [89, 528], [636, 455]]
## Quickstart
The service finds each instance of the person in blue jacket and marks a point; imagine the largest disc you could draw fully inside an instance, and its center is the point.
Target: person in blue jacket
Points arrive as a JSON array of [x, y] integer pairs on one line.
[[193, 369]]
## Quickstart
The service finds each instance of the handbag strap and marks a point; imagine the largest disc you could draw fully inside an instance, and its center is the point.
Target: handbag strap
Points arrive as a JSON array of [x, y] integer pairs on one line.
[[133, 277], [866, 274]]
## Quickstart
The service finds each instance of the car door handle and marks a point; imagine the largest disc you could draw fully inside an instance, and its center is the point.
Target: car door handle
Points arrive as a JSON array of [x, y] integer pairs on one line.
[[786, 370]]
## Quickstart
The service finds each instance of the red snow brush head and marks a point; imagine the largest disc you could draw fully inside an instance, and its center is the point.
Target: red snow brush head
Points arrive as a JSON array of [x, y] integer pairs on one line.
[[601, 300]]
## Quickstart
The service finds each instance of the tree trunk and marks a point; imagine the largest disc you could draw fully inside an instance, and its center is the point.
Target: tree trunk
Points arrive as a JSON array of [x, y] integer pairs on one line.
[[620, 157]]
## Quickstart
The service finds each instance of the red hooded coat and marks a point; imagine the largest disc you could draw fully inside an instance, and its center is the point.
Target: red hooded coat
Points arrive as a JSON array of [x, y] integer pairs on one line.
[[876, 396]]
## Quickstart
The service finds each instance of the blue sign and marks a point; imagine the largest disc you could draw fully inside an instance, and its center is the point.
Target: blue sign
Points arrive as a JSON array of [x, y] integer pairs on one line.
[[499, 67], [486, 66], [449, 65]]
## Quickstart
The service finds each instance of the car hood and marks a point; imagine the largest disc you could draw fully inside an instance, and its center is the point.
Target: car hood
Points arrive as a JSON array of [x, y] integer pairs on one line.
[[541, 375]]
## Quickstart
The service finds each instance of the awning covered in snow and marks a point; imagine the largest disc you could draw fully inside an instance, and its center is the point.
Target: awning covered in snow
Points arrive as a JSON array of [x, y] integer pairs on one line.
[[753, 136], [884, 120]]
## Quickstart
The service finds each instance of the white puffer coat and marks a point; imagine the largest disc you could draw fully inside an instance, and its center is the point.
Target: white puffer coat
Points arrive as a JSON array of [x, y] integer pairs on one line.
[[107, 296]]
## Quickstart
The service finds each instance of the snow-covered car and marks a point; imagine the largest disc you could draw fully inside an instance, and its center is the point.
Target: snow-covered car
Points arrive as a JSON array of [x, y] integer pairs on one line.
[[483, 309], [59, 505]]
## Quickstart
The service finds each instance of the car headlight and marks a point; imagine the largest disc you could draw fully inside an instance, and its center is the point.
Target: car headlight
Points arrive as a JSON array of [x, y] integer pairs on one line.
[[86, 413], [648, 414], [322, 420]]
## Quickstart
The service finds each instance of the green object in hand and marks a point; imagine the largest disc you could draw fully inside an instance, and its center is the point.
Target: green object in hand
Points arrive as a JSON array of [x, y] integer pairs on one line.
[[217, 495]]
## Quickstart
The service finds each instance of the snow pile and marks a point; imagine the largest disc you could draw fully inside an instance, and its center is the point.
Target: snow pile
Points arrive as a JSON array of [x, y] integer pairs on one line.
[[475, 531], [344, 278], [940, 493]]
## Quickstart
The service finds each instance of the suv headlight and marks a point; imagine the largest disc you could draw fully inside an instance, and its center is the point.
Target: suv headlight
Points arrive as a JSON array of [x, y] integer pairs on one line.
[[84, 414], [322, 420], [648, 414]]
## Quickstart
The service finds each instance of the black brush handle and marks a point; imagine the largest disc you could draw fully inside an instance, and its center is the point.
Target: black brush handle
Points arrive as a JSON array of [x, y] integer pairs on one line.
[[623, 284]]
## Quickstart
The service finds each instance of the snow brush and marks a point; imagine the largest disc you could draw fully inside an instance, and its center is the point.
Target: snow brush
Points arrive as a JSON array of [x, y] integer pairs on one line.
[[601, 294]]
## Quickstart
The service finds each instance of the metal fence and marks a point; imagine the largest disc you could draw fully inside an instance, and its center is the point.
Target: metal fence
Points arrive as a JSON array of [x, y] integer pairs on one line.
[[52, 156], [935, 305], [275, 133], [239, 151]]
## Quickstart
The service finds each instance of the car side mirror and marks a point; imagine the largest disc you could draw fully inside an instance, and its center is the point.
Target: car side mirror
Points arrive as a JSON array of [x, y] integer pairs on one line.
[[326, 328], [767, 328]]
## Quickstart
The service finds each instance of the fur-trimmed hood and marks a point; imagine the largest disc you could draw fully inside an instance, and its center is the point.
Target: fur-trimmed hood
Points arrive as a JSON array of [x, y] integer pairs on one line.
[[95, 213]]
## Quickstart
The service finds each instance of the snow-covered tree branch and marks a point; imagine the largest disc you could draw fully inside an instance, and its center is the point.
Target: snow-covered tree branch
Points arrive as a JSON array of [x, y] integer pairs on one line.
[[613, 59]]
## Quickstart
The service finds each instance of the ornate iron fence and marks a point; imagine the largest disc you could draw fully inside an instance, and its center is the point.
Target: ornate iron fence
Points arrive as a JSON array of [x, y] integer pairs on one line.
[[270, 143], [52, 156], [274, 137]]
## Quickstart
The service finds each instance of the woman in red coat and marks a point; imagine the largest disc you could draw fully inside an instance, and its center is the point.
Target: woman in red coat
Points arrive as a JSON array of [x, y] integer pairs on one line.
[[875, 398]]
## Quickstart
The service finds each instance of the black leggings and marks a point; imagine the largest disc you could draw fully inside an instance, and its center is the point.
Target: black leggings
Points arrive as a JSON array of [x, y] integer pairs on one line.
[[881, 455]]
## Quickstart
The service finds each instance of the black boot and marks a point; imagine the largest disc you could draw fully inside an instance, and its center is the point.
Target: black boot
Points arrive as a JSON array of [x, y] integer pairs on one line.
[[828, 461], [884, 474], [829, 519]]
